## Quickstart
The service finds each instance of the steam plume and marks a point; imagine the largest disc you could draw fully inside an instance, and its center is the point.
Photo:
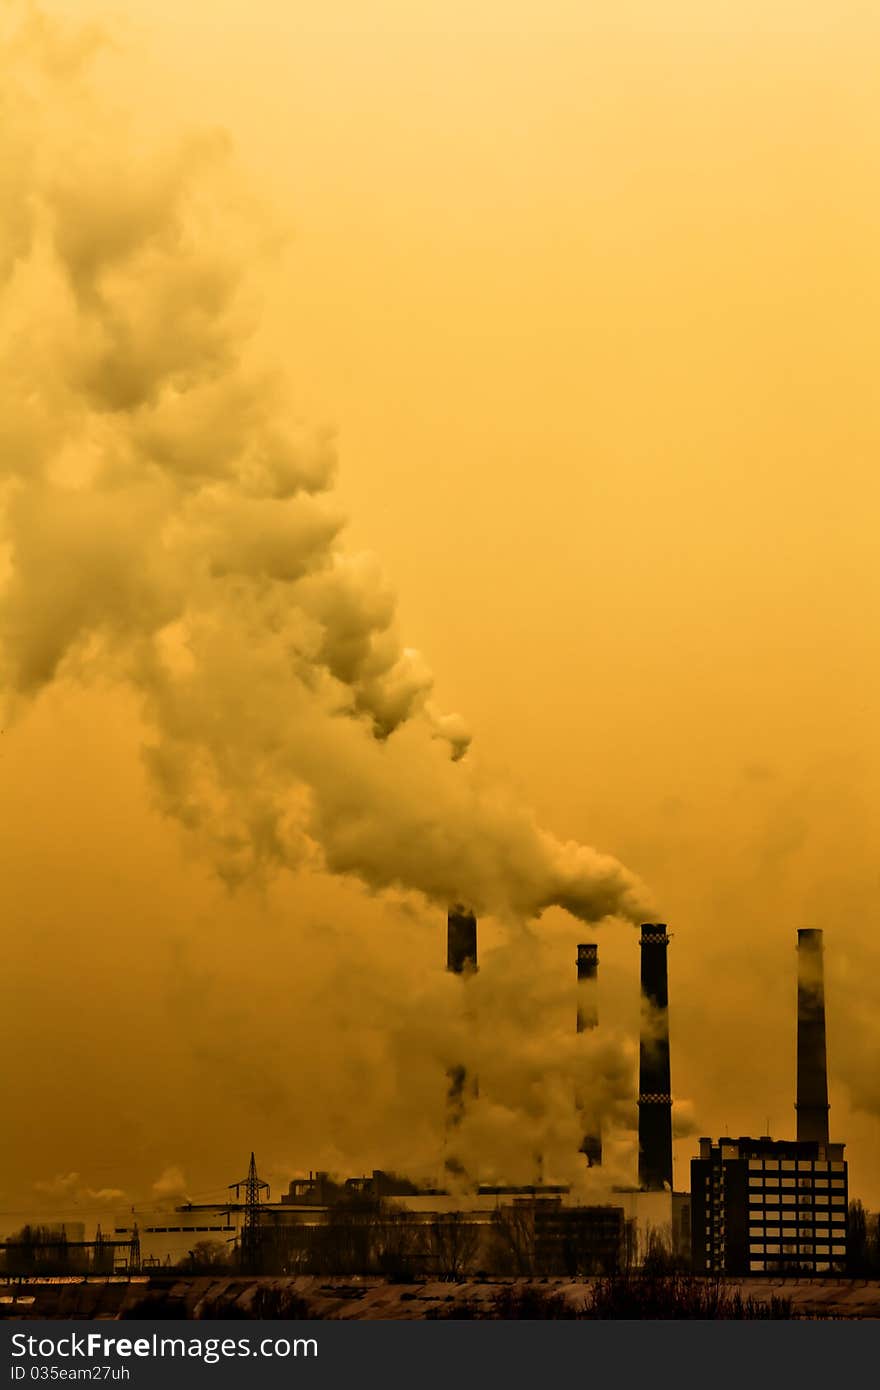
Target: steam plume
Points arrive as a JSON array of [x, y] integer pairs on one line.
[[168, 523]]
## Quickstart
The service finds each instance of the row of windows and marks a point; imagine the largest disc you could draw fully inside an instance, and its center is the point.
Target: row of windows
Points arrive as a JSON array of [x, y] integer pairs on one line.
[[127, 1230], [765, 1180], [790, 1232], [790, 1218], [790, 1165], [758, 1219], [789, 1199], [154, 1229]]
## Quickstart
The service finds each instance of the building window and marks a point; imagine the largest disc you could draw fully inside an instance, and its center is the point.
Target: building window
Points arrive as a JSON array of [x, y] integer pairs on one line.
[[756, 1264]]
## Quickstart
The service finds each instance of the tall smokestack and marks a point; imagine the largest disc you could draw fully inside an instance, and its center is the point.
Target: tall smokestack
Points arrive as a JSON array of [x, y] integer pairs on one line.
[[812, 1074], [655, 1099], [461, 940], [461, 959], [588, 1018]]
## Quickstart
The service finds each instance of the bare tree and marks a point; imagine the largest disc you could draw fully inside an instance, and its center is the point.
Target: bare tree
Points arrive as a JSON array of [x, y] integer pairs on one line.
[[397, 1250], [453, 1242], [863, 1242], [207, 1257], [514, 1228], [660, 1257], [857, 1257]]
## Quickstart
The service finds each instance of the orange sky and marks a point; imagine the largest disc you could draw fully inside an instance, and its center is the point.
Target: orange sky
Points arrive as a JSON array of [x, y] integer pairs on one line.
[[591, 301]]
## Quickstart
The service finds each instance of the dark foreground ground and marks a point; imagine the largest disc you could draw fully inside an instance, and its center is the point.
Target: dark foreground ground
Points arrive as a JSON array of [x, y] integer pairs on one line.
[[367, 1298]]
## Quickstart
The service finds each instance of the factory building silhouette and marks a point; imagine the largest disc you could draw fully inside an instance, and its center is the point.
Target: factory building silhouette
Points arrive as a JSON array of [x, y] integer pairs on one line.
[[361, 1223], [764, 1206], [735, 1220], [757, 1206]]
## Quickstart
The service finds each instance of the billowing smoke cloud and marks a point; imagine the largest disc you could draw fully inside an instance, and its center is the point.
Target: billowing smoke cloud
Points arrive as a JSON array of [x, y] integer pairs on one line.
[[167, 522], [170, 1185]]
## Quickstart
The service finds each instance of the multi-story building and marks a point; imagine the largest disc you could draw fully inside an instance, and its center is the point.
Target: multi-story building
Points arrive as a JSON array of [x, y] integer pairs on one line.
[[764, 1206]]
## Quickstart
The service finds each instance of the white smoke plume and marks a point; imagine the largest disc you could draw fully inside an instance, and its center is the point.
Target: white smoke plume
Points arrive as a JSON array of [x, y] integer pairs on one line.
[[167, 522], [69, 1191], [170, 1186]]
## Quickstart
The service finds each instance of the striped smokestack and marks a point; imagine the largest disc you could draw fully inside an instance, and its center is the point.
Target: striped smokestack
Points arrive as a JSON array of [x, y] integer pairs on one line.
[[461, 959], [655, 1099], [812, 1074], [588, 1018]]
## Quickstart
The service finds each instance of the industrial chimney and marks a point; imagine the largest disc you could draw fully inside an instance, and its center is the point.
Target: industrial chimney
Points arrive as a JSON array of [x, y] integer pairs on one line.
[[812, 1075], [588, 1018], [461, 959], [655, 1099], [461, 940]]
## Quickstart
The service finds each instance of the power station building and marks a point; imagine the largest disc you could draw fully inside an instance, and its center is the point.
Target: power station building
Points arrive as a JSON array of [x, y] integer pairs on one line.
[[765, 1206]]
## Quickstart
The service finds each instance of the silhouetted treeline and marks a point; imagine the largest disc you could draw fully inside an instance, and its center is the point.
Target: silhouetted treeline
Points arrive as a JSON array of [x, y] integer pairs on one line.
[[626, 1296], [209, 1257], [863, 1242], [368, 1237], [36, 1250]]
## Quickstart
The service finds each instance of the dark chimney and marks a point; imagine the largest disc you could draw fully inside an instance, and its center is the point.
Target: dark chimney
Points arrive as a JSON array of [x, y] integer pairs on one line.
[[587, 1018], [461, 940], [655, 1099], [812, 1075], [461, 959]]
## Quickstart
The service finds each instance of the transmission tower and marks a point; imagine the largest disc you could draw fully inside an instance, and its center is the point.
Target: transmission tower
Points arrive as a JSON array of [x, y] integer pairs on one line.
[[251, 1230], [134, 1251]]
